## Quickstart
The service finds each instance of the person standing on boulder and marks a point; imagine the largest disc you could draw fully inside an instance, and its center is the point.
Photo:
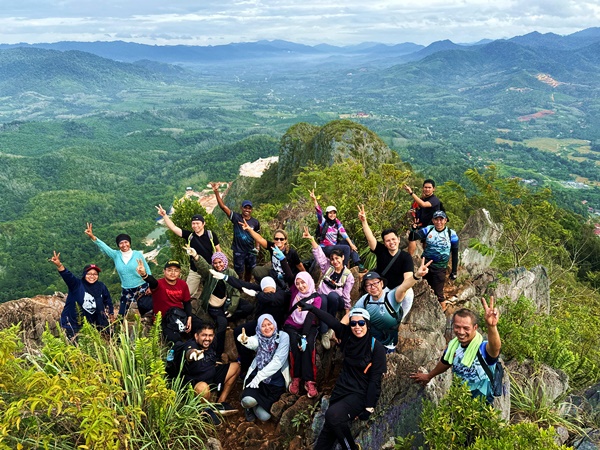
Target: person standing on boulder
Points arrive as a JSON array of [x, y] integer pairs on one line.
[[133, 288], [87, 299], [392, 263], [205, 242], [466, 352], [442, 243], [423, 208], [243, 245]]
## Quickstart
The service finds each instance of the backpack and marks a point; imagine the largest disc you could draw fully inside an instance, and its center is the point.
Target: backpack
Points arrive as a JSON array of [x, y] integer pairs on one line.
[[496, 379], [174, 361], [389, 308], [210, 237], [175, 319], [321, 232]]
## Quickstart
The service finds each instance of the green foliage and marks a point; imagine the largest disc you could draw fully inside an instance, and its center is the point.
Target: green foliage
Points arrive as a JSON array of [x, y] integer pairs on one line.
[[95, 394], [462, 422]]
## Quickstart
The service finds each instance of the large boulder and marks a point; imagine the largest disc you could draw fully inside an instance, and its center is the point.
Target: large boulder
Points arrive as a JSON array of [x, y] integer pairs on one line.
[[33, 314], [487, 233], [533, 284]]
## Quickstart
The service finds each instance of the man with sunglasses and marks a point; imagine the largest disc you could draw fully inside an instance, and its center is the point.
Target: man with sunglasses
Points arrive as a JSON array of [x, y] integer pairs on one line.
[[388, 307]]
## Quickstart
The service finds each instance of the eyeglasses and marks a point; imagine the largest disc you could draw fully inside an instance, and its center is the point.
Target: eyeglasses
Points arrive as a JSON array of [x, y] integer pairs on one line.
[[372, 285], [279, 239], [360, 323], [92, 274]]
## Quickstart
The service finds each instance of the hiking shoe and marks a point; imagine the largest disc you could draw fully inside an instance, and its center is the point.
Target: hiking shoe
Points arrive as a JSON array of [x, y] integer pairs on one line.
[[225, 408], [250, 416], [326, 339], [311, 389], [295, 386]]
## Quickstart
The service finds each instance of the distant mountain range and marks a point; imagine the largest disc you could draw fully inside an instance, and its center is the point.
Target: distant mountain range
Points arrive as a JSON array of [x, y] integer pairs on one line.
[[371, 51]]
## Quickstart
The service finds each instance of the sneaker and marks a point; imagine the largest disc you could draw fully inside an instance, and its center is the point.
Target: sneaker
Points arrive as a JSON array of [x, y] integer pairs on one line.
[[326, 339], [295, 386], [225, 408], [311, 389], [250, 416]]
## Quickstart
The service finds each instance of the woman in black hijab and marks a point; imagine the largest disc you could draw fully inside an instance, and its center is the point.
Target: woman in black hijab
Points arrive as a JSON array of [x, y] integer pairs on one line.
[[359, 385]]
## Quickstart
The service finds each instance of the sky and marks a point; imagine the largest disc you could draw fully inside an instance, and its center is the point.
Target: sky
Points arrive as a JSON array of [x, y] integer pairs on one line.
[[311, 22]]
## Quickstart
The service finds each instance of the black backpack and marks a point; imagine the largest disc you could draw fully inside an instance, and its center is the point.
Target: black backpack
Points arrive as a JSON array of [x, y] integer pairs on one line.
[[321, 231], [496, 378]]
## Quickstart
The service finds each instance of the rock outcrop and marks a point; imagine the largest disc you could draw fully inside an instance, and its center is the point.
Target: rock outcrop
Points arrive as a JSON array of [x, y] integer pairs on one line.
[[33, 314], [487, 233]]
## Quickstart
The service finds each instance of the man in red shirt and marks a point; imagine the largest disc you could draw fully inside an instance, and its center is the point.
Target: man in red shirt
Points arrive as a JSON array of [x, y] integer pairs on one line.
[[171, 298]]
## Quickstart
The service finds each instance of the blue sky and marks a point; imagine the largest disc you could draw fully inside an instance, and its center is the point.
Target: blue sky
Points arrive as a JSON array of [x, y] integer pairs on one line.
[[205, 22]]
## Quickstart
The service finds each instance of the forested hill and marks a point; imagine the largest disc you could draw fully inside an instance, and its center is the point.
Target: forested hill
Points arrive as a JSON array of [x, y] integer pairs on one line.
[[51, 72]]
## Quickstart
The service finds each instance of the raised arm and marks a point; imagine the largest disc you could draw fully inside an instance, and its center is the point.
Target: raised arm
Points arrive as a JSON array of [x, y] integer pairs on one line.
[[491, 319], [222, 205], [362, 216], [416, 198], [168, 222], [257, 237], [411, 281], [306, 235]]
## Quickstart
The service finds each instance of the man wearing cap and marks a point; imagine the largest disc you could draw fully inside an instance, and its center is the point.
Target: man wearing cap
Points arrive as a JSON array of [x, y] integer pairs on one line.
[[423, 208], [332, 234], [171, 298], [133, 288], [441, 243], [205, 242], [388, 307], [392, 263], [244, 247]]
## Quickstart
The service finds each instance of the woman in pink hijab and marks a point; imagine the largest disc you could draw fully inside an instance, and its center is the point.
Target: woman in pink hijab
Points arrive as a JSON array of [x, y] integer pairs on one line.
[[302, 327]]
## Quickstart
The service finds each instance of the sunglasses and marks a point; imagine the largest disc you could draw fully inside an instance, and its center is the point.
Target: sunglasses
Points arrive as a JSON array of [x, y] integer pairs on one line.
[[360, 323], [279, 239]]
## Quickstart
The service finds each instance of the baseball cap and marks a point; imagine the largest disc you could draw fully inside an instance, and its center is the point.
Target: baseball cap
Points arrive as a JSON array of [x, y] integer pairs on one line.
[[246, 203], [198, 217], [330, 208], [172, 263], [441, 214], [360, 312], [373, 276]]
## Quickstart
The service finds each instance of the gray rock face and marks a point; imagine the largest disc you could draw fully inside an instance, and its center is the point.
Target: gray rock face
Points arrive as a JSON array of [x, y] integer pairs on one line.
[[480, 227], [533, 284]]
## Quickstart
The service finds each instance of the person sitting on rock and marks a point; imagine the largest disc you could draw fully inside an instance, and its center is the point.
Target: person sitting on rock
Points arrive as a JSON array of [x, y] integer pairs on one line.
[[302, 329], [392, 263], [334, 288], [243, 246], [358, 386], [388, 307], [423, 208], [204, 371], [221, 301], [270, 299], [332, 234], [133, 288], [87, 299], [171, 298], [205, 242], [442, 242], [269, 373], [466, 352], [279, 249]]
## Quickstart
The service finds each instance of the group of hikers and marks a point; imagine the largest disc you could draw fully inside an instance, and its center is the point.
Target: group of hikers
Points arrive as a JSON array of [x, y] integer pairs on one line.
[[277, 322]]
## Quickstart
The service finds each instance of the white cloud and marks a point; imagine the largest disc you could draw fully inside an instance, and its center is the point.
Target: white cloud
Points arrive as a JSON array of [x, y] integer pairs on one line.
[[308, 21]]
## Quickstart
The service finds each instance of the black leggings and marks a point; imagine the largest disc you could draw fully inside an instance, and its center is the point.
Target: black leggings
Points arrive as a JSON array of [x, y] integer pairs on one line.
[[338, 417], [302, 363]]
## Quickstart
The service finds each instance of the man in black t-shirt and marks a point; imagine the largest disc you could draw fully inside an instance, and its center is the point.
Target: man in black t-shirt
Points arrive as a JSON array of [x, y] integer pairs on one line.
[[202, 368], [205, 242], [243, 246], [423, 208], [392, 263]]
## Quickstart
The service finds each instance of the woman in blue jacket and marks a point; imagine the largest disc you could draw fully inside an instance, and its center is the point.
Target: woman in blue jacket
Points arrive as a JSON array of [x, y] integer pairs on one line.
[[87, 299]]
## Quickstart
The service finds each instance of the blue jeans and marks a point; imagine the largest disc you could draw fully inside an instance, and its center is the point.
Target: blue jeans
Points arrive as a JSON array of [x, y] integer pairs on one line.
[[331, 303]]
